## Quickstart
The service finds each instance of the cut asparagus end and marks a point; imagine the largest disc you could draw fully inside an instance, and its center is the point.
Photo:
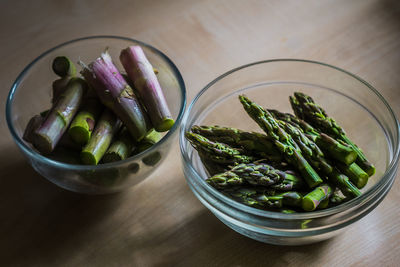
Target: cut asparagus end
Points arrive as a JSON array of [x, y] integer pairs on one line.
[[356, 174], [79, 134], [166, 124], [121, 148], [367, 167], [43, 143], [63, 67], [350, 158], [30, 128], [313, 199], [88, 158], [101, 138], [46, 137]]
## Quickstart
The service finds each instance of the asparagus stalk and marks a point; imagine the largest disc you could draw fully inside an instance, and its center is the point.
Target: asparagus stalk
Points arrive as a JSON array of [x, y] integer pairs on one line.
[[63, 67], [324, 204], [337, 150], [253, 143], [117, 95], [254, 174], [101, 138], [316, 158], [225, 180], [290, 182], [251, 197], [83, 124], [260, 174], [142, 75], [308, 148], [305, 108], [357, 175], [217, 152], [121, 148], [283, 141], [313, 199], [46, 137]]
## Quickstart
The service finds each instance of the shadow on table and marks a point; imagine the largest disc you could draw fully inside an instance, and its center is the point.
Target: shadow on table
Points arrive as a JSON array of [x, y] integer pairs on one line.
[[205, 241], [39, 219]]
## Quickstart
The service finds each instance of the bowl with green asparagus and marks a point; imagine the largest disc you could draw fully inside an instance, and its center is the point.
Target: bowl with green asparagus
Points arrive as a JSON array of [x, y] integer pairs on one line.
[[289, 152], [97, 114]]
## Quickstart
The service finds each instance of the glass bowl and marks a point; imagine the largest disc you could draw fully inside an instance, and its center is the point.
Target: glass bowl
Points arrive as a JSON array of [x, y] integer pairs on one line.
[[357, 106], [31, 93]]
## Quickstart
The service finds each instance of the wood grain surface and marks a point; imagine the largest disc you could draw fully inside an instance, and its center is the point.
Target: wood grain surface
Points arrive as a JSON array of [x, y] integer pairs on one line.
[[160, 222]]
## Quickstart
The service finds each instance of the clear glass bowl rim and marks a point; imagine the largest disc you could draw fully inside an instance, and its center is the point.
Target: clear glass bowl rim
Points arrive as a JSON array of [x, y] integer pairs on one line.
[[32, 153], [386, 180]]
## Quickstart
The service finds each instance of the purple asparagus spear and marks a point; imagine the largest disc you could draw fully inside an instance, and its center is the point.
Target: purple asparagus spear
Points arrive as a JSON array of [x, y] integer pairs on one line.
[[46, 137], [142, 74], [115, 93]]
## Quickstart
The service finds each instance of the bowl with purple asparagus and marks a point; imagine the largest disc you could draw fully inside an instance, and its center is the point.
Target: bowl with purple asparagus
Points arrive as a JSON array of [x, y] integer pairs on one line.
[[97, 114], [289, 152]]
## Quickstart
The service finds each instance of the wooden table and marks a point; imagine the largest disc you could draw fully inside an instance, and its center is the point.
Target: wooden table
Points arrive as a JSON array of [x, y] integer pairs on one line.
[[160, 222]]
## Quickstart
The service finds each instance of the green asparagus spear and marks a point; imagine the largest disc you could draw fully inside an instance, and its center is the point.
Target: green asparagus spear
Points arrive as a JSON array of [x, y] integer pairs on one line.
[[253, 143], [309, 149], [316, 158], [305, 108], [250, 197], [337, 150], [291, 182], [225, 179], [282, 140], [217, 152], [121, 148], [313, 199], [254, 174], [357, 175], [101, 138]]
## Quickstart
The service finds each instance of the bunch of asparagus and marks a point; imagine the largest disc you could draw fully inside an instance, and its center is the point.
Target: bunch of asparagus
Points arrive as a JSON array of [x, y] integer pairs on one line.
[[101, 114], [303, 162]]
